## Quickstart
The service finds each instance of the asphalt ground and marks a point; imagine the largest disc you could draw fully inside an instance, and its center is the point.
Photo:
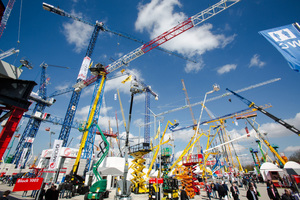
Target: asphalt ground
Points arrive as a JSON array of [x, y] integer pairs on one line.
[[260, 187]]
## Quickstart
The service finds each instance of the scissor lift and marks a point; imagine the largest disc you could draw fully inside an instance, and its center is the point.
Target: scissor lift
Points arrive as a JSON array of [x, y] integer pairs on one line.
[[138, 152]]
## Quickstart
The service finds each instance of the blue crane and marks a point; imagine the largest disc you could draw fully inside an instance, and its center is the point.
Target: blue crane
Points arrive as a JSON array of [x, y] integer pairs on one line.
[[24, 146]]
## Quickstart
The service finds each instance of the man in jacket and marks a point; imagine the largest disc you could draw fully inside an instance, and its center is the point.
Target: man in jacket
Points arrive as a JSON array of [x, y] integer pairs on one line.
[[273, 193], [235, 191], [251, 194], [183, 194]]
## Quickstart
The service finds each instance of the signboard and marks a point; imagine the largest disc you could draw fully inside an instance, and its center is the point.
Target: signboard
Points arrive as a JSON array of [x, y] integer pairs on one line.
[[84, 68], [53, 164], [25, 184], [156, 180]]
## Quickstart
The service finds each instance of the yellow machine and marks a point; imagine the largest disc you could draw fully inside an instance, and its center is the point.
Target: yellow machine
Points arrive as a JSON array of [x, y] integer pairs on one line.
[[138, 151], [99, 69]]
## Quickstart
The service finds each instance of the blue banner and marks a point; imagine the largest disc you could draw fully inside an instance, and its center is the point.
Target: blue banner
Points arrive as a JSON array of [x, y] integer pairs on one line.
[[286, 39]]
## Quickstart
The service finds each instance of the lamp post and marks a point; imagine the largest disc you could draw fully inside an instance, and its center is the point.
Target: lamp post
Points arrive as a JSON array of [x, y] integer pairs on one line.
[[216, 88]]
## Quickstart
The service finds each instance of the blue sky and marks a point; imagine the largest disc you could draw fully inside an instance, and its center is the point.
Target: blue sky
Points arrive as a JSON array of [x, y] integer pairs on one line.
[[228, 49]]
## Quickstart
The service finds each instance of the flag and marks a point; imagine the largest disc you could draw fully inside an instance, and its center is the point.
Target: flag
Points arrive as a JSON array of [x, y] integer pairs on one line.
[[286, 39], [158, 132]]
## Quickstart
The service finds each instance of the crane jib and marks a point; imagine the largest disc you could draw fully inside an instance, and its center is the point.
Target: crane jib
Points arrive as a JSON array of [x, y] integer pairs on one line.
[[168, 35]]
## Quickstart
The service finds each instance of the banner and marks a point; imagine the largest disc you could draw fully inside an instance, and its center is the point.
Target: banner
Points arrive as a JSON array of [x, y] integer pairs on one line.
[[84, 68], [53, 164], [25, 184], [286, 39], [22, 159]]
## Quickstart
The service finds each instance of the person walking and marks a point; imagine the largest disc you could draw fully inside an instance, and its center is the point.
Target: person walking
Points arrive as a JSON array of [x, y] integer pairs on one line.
[[183, 194], [214, 190], [52, 193], [251, 194], [208, 190], [61, 189], [273, 193], [221, 191], [69, 189], [235, 191], [224, 185]]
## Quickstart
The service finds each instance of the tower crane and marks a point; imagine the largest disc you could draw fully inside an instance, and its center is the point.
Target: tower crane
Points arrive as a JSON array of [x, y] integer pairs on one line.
[[147, 89], [189, 104], [38, 115], [104, 28], [161, 39]]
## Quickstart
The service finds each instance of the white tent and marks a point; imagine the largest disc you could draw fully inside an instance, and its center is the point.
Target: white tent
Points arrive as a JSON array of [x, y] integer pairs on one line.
[[267, 169], [292, 168]]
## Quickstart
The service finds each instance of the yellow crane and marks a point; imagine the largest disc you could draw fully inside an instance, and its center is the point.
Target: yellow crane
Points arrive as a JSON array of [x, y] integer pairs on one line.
[[265, 141]]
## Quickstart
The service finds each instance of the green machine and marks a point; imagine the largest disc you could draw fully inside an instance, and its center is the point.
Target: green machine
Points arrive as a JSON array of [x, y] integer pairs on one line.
[[98, 189], [170, 184]]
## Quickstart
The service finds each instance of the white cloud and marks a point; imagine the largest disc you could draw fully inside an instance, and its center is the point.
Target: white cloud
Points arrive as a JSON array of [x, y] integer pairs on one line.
[[292, 149], [157, 17], [226, 68], [194, 67], [256, 62], [83, 112], [77, 33]]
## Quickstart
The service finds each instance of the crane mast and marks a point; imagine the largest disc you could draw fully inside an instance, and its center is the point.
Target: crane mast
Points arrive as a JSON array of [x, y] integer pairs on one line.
[[72, 107], [6, 15]]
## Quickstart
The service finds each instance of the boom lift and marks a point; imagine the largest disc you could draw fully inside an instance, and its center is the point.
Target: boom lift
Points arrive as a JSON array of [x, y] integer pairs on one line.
[[123, 189], [98, 189]]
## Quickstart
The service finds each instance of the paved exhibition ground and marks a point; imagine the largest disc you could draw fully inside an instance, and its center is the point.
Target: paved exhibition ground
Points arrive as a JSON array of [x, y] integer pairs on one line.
[[261, 188]]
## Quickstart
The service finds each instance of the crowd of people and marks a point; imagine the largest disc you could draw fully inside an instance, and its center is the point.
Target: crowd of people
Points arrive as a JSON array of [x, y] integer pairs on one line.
[[222, 191]]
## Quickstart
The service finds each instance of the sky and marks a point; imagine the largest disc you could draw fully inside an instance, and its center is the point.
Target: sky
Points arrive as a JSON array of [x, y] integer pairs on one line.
[[227, 48]]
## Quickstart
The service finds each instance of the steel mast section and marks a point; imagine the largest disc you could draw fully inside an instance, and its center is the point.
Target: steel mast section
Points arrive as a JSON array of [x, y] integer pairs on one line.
[[276, 119], [6, 15], [161, 39]]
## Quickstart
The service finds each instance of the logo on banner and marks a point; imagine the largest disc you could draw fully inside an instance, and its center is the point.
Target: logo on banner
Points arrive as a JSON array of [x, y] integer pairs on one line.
[[67, 152], [54, 158], [282, 35]]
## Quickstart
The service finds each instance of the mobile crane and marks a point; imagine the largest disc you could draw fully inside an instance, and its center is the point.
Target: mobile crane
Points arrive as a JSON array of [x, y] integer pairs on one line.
[[276, 119]]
